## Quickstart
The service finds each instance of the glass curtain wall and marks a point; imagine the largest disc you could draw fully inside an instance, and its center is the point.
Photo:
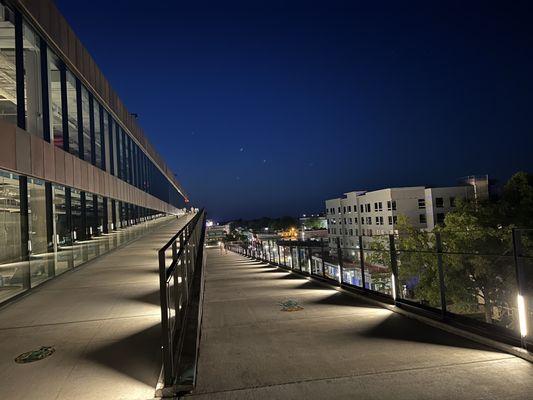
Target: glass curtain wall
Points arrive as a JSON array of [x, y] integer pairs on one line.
[[62, 235], [72, 110], [8, 78], [32, 81], [85, 124], [56, 107], [77, 226], [41, 261], [13, 267]]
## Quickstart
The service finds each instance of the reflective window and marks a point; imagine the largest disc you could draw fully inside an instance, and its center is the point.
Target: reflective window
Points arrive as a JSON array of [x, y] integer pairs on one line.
[[86, 127], [8, 79], [56, 108], [72, 108], [90, 213], [32, 81], [97, 136], [105, 123], [13, 269], [62, 237], [41, 261], [77, 226]]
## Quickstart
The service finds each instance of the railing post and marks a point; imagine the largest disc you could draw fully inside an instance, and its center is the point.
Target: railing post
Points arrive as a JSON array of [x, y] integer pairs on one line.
[[323, 255], [520, 283], [362, 261], [339, 257], [438, 245], [394, 267], [166, 338]]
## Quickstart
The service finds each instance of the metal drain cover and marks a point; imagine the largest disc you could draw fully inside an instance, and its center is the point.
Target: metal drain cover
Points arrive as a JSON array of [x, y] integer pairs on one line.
[[35, 355], [290, 305]]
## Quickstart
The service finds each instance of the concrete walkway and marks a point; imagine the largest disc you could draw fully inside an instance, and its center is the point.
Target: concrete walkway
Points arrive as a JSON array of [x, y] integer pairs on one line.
[[104, 321], [335, 348]]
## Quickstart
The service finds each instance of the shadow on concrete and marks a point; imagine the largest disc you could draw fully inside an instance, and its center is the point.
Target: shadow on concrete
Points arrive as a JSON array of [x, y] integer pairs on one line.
[[137, 356], [340, 299], [312, 285], [289, 276], [398, 327], [149, 298]]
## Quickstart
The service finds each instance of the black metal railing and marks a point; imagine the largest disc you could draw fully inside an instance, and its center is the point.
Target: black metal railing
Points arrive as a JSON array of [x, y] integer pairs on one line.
[[481, 281], [181, 290]]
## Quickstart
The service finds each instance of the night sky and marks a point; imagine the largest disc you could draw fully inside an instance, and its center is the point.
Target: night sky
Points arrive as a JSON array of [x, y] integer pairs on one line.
[[267, 108]]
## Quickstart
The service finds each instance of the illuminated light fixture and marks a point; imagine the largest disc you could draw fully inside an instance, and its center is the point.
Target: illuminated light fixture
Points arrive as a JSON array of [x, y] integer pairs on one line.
[[393, 282], [522, 315], [179, 279]]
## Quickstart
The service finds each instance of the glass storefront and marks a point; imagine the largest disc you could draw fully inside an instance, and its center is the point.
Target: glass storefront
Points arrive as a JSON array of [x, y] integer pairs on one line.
[[32, 81], [41, 260], [13, 267], [62, 235]]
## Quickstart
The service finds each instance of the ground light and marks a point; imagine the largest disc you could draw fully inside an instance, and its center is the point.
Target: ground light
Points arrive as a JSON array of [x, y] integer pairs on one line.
[[522, 315], [393, 282]]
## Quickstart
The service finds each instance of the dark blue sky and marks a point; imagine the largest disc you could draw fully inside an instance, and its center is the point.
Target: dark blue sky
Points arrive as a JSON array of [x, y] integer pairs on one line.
[[267, 108]]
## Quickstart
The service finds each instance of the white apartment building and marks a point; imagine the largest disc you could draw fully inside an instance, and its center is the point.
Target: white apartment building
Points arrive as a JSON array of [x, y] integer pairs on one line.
[[366, 214]]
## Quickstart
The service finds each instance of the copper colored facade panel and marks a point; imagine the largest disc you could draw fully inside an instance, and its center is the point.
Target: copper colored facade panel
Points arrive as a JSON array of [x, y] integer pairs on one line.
[[37, 157], [49, 161], [59, 157], [23, 146], [8, 148]]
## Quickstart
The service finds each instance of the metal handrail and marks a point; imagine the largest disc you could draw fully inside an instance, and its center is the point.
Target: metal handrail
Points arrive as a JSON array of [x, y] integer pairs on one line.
[[180, 298]]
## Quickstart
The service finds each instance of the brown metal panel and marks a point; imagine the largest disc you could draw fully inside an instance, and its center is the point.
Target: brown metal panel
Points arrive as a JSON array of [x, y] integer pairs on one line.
[[89, 175], [8, 148], [37, 159], [84, 181], [76, 162], [71, 38], [49, 161], [23, 153], [59, 158], [69, 170]]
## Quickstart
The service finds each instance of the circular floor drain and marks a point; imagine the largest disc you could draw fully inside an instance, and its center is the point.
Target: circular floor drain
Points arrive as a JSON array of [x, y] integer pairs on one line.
[[35, 355]]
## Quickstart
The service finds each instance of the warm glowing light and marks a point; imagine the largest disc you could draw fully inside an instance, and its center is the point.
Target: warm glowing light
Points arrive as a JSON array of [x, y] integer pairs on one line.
[[522, 315], [393, 283]]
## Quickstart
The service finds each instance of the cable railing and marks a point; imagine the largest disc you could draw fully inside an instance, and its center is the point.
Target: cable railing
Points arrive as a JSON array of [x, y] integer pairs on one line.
[[181, 290], [481, 281]]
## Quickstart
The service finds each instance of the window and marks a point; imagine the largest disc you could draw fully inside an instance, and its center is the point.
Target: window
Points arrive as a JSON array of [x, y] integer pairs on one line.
[[55, 103], [8, 96], [394, 219], [389, 205], [349, 221], [13, 279], [390, 219], [369, 220], [380, 206], [422, 218], [85, 125], [375, 206], [440, 218], [362, 208], [97, 135], [381, 220], [421, 204], [351, 232], [72, 111], [32, 81], [368, 207], [356, 232], [339, 210], [377, 220], [393, 205], [452, 201], [362, 220], [41, 264], [106, 164], [62, 238], [355, 220], [349, 208], [439, 202], [344, 209]]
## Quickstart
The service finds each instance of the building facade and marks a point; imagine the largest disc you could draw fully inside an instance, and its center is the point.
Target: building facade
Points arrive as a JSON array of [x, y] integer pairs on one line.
[[367, 214], [74, 164]]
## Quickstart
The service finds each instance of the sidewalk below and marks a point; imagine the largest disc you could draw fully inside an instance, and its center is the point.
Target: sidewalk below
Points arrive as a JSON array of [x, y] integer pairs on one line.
[[104, 322], [336, 347]]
